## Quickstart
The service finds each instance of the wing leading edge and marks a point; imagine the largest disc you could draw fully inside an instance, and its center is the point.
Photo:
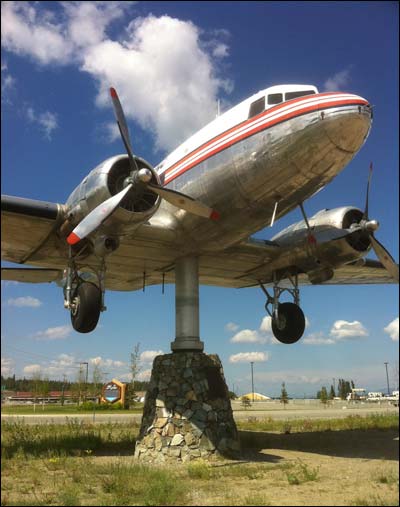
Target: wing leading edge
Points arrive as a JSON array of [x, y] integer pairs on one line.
[[28, 227]]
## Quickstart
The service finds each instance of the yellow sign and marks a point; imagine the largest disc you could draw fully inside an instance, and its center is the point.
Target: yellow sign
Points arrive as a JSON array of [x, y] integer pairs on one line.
[[113, 392]]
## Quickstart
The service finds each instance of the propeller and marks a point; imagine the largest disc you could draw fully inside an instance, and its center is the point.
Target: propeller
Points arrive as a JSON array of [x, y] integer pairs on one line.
[[369, 226], [138, 178]]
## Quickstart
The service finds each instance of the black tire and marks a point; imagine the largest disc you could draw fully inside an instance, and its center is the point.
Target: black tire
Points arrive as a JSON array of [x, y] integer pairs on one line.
[[85, 316], [290, 325]]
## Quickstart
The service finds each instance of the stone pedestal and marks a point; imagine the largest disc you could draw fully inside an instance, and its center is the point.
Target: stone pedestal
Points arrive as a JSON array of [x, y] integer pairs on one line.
[[187, 413]]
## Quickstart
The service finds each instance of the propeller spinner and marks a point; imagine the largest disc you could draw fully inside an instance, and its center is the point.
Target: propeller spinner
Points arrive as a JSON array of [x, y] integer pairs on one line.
[[138, 177]]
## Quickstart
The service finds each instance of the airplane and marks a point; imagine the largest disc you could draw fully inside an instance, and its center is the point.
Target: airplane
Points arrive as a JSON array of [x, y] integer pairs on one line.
[[189, 220]]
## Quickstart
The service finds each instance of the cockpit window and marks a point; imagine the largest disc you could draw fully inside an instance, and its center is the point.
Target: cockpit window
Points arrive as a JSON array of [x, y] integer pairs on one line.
[[295, 95], [257, 107], [275, 98]]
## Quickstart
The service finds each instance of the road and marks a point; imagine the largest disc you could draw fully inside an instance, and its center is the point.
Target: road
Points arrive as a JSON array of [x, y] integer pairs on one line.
[[299, 409]]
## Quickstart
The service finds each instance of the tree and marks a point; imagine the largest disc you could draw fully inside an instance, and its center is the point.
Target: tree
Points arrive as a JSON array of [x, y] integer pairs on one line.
[[284, 395], [44, 388], [36, 384], [324, 396], [332, 393], [246, 403], [135, 369], [97, 380]]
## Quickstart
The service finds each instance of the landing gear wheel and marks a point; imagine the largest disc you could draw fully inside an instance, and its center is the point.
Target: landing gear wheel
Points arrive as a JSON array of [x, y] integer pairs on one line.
[[290, 324], [85, 313]]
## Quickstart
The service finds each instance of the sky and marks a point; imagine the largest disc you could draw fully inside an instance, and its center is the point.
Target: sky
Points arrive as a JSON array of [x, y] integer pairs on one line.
[[170, 63]]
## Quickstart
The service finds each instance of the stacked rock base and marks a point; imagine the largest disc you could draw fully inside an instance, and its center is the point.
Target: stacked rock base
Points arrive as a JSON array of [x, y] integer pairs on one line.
[[187, 413]]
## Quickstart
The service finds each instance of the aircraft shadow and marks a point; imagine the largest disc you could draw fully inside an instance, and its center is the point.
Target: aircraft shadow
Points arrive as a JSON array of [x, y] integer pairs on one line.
[[367, 444]]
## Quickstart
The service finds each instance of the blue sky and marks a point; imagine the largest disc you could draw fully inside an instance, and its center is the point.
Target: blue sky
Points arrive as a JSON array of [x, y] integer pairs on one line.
[[58, 59]]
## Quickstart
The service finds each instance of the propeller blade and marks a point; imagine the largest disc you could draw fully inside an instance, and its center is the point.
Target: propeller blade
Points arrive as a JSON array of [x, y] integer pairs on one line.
[[365, 216], [184, 202], [123, 127], [97, 216], [385, 258]]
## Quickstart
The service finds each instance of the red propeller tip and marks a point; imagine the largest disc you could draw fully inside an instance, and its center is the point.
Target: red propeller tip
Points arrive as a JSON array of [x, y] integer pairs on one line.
[[215, 215], [113, 93], [312, 239], [73, 239]]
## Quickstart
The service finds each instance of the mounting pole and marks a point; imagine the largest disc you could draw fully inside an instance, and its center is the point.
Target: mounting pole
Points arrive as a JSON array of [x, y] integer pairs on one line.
[[187, 306]]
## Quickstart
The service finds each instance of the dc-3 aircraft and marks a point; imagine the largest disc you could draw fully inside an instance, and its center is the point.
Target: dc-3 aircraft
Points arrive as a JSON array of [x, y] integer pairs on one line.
[[188, 221]]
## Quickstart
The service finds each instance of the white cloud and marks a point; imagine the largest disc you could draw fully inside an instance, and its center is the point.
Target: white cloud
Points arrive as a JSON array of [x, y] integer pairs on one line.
[[317, 339], [290, 377], [7, 83], [167, 77], [32, 369], [246, 357], [26, 301], [342, 330], [7, 366], [147, 356], [248, 336], [28, 33], [107, 363], [54, 333], [338, 81], [231, 326], [392, 329], [46, 121], [144, 375]]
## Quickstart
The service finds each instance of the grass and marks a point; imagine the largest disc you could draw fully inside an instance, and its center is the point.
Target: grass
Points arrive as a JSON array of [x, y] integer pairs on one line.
[[351, 422], [66, 409], [75, 438], [84, 464]]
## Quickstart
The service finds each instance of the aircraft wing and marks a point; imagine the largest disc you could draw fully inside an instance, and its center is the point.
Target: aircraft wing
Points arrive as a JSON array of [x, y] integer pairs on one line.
[[362, 271], [29, 235], [28, 231]]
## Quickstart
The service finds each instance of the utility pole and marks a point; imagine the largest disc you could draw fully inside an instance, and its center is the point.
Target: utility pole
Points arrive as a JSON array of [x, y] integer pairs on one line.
[[387, 379], [252, 380]]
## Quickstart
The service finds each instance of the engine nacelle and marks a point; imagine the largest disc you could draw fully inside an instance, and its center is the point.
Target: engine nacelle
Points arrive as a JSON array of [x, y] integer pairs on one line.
[[328, 224], [106, 180], [335, 242]]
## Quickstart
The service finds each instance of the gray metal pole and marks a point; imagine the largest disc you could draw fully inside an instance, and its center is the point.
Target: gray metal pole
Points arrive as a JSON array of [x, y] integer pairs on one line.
[[187, 306], [387, 379], [252, 380]]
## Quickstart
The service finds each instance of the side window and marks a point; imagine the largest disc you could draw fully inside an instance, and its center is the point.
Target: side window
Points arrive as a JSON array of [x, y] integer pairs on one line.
[[275, 98], [295, 95], [257, 107]]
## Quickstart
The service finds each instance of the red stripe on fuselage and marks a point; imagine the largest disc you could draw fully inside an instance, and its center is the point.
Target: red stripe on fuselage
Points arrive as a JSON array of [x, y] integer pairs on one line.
[[263, 126]]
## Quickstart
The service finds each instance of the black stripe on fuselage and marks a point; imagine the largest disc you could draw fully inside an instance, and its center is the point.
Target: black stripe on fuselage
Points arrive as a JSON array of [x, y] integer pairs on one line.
[[30, 207]]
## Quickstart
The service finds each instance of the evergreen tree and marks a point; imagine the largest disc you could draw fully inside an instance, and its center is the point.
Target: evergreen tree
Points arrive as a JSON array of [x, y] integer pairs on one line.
[[284, 395], [332, 393], [324, 396]]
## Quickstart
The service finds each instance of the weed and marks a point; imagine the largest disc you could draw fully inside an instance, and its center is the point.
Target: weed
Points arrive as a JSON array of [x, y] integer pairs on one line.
[[255, 500], [301, 473], [199, 470], [375, 500], [69, 496]]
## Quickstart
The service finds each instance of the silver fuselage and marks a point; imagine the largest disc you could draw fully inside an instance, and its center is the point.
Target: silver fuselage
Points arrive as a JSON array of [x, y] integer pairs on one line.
[[286, 162]]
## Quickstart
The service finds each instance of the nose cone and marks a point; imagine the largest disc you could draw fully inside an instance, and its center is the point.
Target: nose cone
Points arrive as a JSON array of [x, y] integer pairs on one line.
[[347, 122]]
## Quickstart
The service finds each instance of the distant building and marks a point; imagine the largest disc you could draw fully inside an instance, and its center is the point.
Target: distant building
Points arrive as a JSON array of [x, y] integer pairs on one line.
[[257, 397]]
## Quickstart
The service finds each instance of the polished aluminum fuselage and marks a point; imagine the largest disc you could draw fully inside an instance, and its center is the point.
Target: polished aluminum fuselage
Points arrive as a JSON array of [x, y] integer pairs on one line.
[[285, 162]]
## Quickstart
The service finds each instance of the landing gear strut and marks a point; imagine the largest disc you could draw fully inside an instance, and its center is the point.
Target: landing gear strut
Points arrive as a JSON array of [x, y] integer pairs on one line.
[[288, 321], [84, 300]]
